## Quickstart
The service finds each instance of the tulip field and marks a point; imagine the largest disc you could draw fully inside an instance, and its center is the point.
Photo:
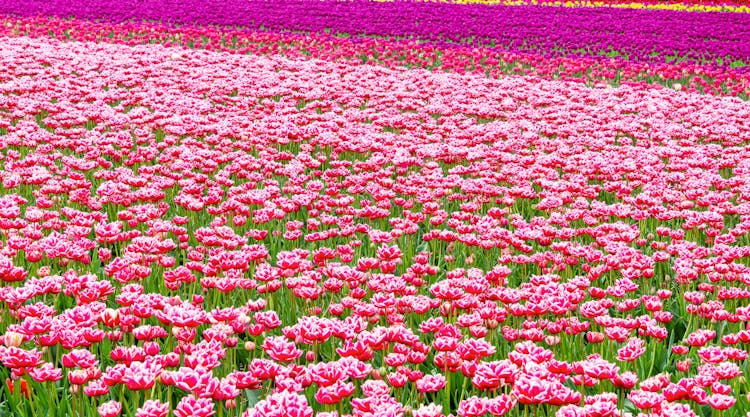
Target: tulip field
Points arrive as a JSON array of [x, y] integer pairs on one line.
[[371, 208]]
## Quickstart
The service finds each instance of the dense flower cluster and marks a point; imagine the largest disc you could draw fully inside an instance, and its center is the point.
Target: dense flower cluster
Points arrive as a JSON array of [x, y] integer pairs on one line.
[[639, 35], [215, 233], [203, 221], [742, 6], [394, 54]]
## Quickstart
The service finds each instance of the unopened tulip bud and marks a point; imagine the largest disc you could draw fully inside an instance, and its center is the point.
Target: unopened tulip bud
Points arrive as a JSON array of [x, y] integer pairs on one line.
[[13, 339], [25, 388], [110, 317], [243, 318], [151, 348], [683, 366], [446, 308]]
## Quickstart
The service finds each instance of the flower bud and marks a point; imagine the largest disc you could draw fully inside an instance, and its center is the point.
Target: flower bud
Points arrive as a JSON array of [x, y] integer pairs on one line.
[[13, 339]]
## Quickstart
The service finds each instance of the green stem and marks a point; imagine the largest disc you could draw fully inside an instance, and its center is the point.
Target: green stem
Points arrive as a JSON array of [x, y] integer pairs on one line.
[[447, 396]]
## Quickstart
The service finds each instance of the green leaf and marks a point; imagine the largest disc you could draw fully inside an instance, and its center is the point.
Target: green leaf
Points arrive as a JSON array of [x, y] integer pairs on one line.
[[253, 397]]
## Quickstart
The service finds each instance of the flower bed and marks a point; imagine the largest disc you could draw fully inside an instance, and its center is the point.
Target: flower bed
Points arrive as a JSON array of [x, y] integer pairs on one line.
[[655, 36], [394, 54], [212, 222]]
